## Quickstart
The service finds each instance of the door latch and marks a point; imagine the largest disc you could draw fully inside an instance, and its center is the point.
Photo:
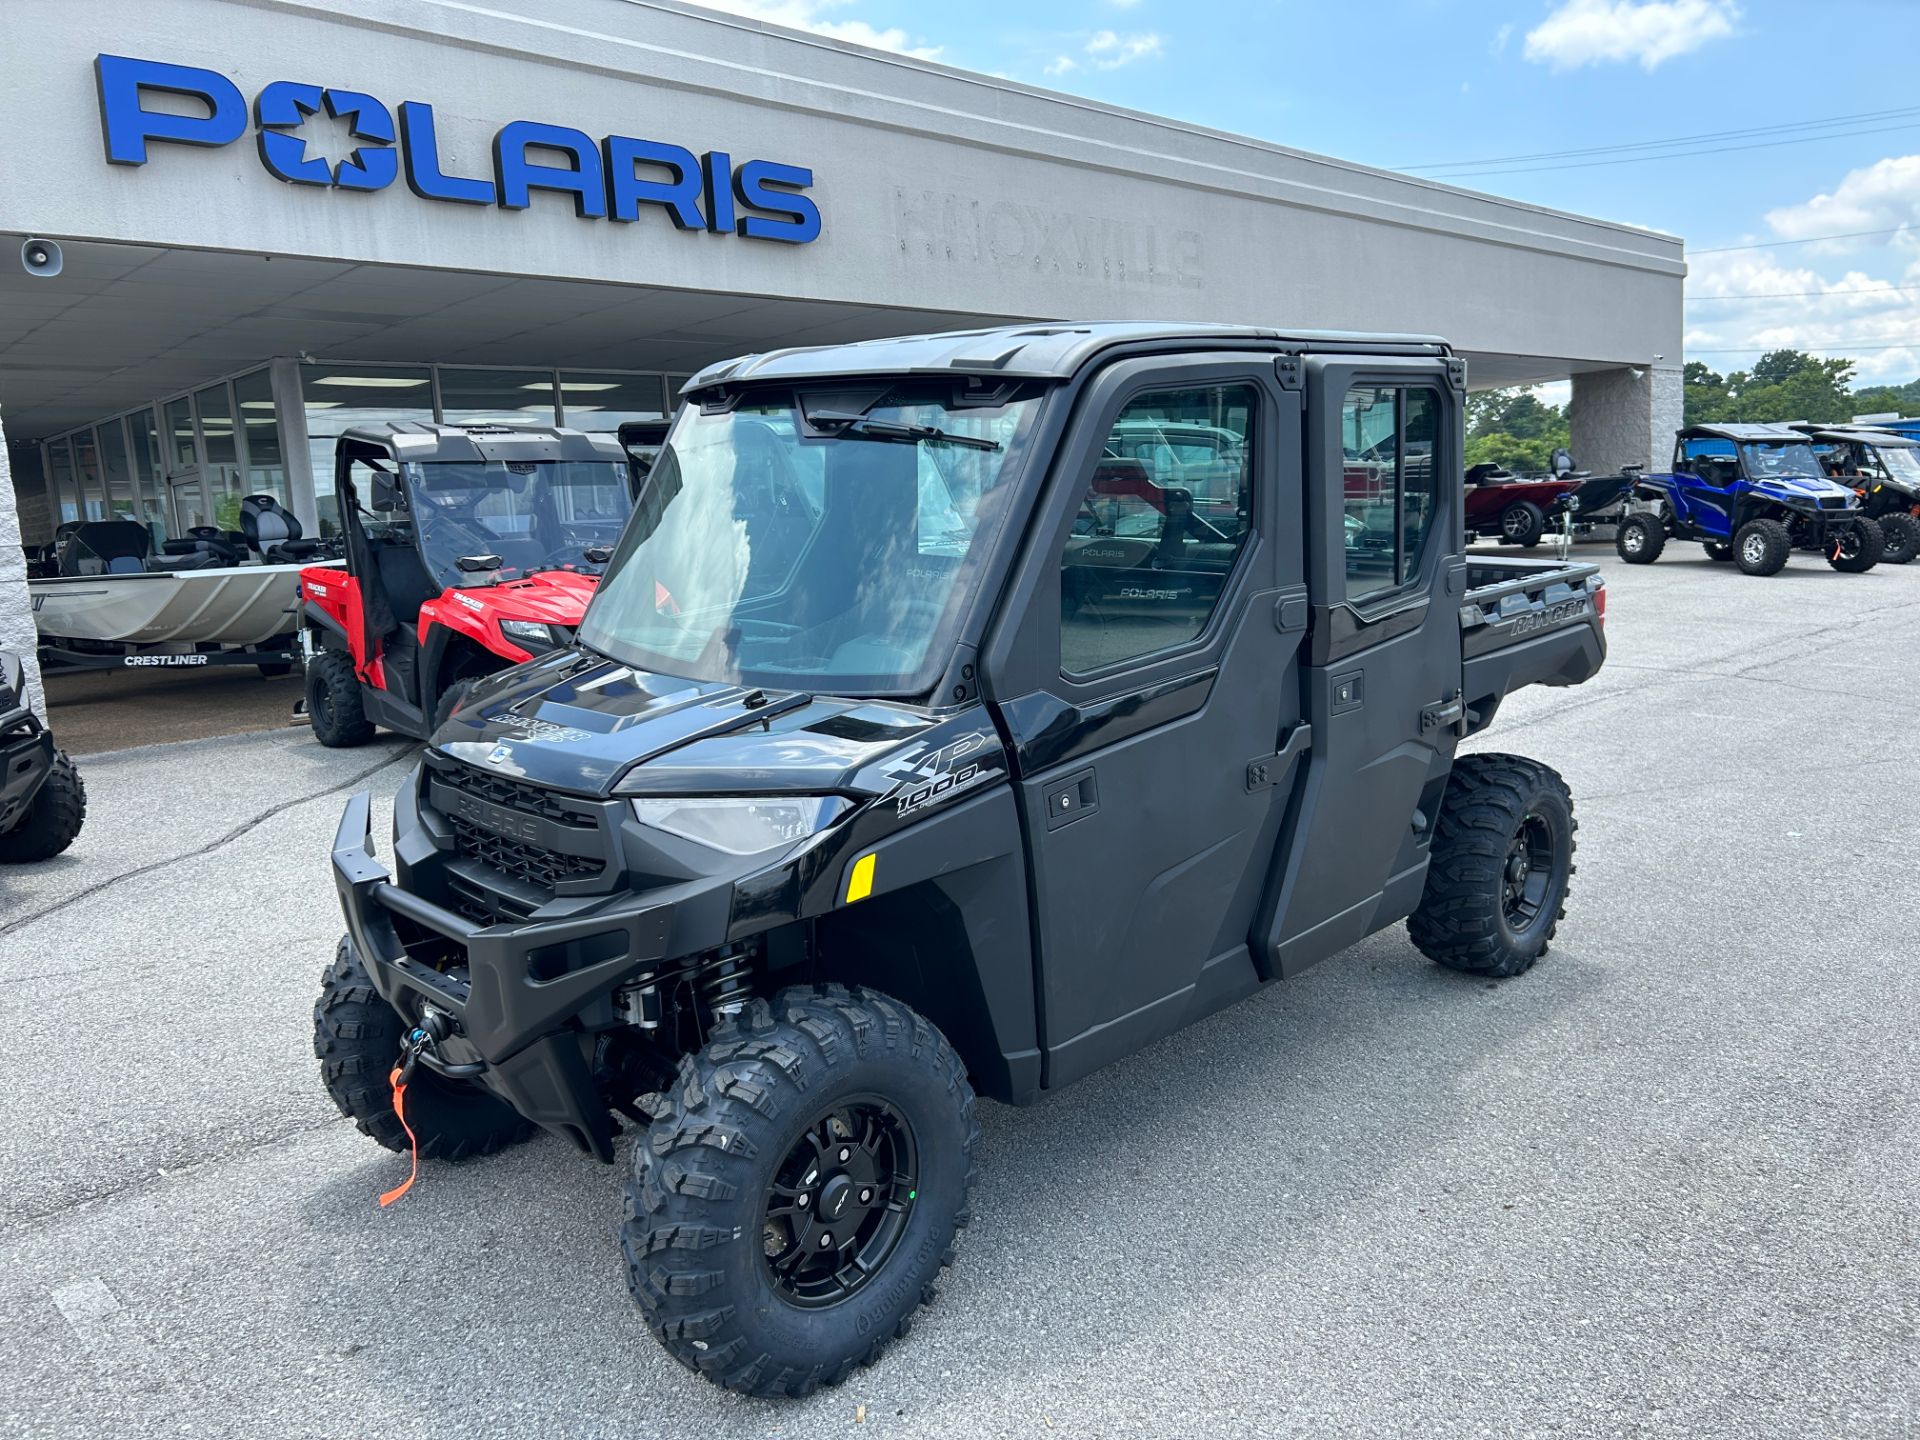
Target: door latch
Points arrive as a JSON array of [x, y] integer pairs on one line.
[[1448, 714]]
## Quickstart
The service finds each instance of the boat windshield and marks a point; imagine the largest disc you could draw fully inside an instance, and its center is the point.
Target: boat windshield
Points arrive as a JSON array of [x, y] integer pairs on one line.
[[532, 515], [1781, 460], [827, 549], [1902, 463]]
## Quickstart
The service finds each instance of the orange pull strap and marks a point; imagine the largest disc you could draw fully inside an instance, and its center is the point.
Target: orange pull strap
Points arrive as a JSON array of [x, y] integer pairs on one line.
[[400, 1114]]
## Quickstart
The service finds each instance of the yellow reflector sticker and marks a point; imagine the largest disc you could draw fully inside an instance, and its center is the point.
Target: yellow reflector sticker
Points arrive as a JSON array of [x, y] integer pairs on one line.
[[860, 879]]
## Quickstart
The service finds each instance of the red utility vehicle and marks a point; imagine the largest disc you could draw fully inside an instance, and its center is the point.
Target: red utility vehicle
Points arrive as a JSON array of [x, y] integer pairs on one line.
[[470, 548]]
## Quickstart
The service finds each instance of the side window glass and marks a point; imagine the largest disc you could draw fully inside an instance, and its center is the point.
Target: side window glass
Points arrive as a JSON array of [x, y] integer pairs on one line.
[[1161, 523], [1391, 467]]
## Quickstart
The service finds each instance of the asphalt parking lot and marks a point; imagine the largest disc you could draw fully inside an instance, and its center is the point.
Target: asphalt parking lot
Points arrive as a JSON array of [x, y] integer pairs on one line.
[[1662, 1184]]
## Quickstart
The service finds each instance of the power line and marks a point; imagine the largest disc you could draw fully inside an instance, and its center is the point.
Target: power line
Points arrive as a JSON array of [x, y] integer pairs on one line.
[[1803, 294], [1672, 154], [1739, 133], [1840, 349], [1808, 240]]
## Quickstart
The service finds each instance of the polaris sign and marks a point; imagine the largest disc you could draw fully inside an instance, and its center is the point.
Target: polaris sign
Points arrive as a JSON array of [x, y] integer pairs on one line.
[[608, 179]]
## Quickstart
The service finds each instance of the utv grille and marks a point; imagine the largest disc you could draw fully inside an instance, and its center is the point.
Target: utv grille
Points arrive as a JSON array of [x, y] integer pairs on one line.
[[499, 790], [1833, 502], [530, 863]]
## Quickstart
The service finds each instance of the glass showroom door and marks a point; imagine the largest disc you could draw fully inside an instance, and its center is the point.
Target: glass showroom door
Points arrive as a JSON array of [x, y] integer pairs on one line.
[[186, 491]]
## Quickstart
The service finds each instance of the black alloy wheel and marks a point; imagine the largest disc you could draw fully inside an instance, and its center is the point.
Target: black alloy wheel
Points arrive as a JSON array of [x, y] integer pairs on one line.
[[1530, 872], [839, 1202]]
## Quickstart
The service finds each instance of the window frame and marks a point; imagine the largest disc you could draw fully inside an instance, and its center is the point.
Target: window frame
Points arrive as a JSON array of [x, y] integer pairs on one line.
[[1403, 575], [1105, 398]]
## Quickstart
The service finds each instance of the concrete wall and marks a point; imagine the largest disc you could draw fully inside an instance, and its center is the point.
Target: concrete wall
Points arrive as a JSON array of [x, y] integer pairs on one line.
[[939, 189], [1625, 417], [16, 617]]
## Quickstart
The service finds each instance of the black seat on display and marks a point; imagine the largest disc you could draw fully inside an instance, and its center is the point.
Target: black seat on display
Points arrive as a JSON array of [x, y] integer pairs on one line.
[[204, 547], [272, 531], [405, 579]]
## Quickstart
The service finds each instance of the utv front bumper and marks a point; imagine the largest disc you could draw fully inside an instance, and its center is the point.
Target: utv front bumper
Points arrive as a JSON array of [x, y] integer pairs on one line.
[[524, 1000], [26, 759]]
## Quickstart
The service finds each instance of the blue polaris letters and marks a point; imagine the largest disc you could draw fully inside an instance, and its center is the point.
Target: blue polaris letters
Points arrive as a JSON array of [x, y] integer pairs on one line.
[[609, 178]]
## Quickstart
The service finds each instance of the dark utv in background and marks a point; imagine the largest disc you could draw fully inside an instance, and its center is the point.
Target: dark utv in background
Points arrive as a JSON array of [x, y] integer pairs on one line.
[[43, 803], [921, 743]]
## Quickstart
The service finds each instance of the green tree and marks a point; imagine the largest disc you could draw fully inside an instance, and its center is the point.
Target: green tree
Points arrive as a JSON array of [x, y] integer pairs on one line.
[[1706, 399]]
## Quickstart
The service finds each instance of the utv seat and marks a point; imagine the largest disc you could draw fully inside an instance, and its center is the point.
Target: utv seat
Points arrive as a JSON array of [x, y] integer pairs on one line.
[[273, 532], [405, 579]]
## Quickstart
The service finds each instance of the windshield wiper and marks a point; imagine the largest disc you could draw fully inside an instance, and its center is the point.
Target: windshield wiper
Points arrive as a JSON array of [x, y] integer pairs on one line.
[[865, 429]]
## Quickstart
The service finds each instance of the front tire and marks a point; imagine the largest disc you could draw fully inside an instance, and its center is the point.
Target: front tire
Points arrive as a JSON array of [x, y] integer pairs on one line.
[[1640, 539], [1501, 867], [356, 1038], [333, 701], [1761, 547], [790, 1211], [1522, 523], [52, 821], [1900, 534], [1857, 548]]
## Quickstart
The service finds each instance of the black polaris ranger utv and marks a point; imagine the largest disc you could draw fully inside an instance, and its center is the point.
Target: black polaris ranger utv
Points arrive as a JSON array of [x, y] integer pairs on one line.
[[43, 802], [917, 746]]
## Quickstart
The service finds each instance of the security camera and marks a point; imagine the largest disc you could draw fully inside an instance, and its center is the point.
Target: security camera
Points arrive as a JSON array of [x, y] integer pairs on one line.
[[42, 258]]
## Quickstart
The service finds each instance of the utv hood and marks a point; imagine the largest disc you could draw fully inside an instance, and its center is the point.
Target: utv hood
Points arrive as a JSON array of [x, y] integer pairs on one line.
[[1800, 487], [551, 597], [579, 723]]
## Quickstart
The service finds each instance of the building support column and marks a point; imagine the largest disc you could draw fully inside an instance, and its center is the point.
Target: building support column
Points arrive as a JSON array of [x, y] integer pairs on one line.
[[290, 410], [1625, 417], [16, 610]]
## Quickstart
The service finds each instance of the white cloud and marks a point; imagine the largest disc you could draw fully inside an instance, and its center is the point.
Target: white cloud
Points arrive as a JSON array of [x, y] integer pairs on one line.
[[1651, 32], [1789, 306], [808, 15], [1108, 51], [1061, 64], [1879, 196], [1500, 39], [1123, 4]]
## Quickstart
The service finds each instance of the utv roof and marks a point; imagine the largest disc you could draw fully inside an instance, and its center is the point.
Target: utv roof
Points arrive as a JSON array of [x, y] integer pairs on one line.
[[1869, 434], [426, 442], [1775, 433], [1052, 352]]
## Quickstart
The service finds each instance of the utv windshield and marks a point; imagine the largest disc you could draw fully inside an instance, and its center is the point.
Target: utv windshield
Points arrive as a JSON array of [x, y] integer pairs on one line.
[[1783, 461], [532, 515], [814, 542], [1902, 463]]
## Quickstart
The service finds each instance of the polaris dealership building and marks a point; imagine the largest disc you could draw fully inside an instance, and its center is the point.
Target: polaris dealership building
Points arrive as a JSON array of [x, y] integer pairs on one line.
[[272, 219]]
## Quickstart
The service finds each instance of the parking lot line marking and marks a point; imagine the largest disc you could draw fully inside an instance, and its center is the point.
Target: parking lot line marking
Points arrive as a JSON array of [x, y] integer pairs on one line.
[[110, 1337]]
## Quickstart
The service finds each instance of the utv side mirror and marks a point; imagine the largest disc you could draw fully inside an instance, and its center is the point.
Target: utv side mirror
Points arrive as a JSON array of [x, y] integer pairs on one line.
[[475, 564]]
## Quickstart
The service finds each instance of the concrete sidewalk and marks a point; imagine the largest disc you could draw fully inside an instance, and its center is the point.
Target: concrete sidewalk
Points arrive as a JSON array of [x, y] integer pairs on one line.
[[1662, 1184]]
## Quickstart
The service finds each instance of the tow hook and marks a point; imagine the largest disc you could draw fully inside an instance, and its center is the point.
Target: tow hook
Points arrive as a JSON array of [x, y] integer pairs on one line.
[[423, 1045]]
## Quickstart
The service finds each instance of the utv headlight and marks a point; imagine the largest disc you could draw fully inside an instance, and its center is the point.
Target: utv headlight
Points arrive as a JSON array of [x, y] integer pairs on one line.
[[531, 634], [742, 825]]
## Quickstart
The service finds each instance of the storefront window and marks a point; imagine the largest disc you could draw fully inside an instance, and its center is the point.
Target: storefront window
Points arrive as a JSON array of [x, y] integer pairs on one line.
[[606, 402], [60, 469], [266, 461], [118, 473], [224, 486], [181, 455], [86, 468], [147, 471], [496, 397], [338, 397]]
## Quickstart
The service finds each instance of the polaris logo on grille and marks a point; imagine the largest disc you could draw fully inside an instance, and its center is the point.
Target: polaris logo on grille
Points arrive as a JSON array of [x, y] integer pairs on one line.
[[497, 818]]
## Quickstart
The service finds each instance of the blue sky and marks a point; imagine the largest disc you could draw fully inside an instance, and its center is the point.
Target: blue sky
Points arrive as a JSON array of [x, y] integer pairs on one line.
[[1432, 83]]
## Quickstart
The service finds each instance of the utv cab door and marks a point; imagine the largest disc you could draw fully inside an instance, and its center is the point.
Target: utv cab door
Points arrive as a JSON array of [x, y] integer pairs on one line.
[[1382, 673], [1148, 677]]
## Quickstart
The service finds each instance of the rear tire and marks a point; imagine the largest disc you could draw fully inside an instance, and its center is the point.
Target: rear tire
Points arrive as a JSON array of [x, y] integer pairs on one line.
[[742, 1185], [1522, 523], [1501, 867], [356, 1037], [1761, 547], [1640, 539], [52, 821], [1856, 549], [1900, 533], [333, 701]]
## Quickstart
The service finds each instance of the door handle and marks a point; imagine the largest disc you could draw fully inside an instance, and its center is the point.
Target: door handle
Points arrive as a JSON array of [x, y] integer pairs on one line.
[[1070, 799]]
